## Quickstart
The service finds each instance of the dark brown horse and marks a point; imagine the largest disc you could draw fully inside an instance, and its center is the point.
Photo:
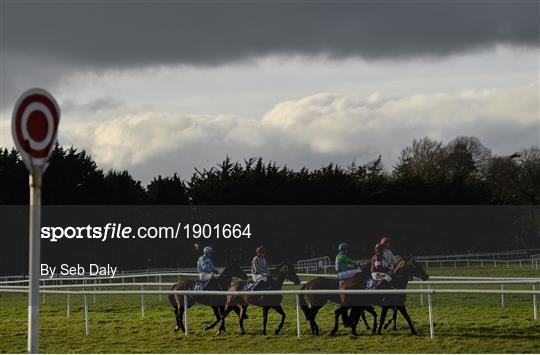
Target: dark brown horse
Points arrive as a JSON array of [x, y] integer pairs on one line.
[[404, 271], [275, 282], [220, 283], [316, 301]]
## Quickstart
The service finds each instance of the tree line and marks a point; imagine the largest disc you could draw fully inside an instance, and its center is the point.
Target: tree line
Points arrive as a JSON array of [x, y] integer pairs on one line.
[[427, 172], [357, 203]]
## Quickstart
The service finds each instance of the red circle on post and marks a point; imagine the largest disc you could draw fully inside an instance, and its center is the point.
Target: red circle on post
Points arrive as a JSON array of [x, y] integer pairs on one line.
[[37, 126], [34, 126]]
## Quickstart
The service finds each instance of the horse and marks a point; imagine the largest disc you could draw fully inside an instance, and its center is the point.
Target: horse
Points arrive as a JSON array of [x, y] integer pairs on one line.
[[220, 283], [316, 301], [404, 271], [275, 282]]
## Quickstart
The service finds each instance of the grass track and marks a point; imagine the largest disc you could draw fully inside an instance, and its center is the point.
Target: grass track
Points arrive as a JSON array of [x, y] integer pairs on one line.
[[463, 324]]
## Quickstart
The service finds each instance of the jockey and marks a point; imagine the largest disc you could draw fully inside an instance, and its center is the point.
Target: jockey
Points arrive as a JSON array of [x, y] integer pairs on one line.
[[259, 268], [345, 266], [379, 266], [387, 253], [205, 266]]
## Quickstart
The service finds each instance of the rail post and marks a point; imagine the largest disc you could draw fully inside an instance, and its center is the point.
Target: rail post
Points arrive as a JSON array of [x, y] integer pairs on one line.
[[142, 302], [160, 287], [68, 308], [298, 315], [502, 295], [421, 296], [86, 322], [185, 314], [535, 305], [430, 308]]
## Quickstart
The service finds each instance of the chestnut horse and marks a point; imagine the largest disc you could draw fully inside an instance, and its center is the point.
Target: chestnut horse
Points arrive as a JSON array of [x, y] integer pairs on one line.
[[220, 283], [275, 282], [404, 271]]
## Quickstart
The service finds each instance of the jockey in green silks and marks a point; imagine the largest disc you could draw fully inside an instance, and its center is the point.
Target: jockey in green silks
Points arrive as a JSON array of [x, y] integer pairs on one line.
[[345, 266]]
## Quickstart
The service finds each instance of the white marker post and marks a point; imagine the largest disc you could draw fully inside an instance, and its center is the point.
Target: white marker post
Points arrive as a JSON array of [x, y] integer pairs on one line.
[[34, 126]]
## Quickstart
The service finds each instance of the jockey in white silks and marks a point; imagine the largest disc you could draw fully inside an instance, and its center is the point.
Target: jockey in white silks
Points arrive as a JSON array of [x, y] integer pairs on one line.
[[379, 266], [205, 266], [387, 253], [259, 268]]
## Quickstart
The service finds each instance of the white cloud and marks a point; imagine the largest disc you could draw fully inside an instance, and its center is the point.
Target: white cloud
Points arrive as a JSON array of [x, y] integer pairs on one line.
[[311, 131]]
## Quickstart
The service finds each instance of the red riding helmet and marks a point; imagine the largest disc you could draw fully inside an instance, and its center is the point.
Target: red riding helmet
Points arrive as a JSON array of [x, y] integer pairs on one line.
[[260, 250]]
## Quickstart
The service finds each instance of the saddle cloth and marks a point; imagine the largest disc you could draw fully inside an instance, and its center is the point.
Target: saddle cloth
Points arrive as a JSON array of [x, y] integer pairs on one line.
[[372, 284], [198, 285], [248, 286]]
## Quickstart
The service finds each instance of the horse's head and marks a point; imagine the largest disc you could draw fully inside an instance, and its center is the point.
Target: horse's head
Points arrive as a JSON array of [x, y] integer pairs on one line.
[[408, 267], [234, 270], [286, 271]]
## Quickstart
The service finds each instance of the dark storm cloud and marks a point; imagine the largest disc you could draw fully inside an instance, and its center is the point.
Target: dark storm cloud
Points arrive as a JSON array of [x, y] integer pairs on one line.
[[122, 33]]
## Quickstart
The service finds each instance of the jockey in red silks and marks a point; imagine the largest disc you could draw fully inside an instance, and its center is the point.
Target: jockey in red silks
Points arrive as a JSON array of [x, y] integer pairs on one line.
[[379, 266]]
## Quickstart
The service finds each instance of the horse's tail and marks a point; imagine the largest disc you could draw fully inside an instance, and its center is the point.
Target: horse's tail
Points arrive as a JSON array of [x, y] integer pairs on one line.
[[303, 304]]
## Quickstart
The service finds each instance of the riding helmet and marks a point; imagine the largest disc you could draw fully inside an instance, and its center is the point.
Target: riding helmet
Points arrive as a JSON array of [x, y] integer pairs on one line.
[[208, 249], [343, 246]]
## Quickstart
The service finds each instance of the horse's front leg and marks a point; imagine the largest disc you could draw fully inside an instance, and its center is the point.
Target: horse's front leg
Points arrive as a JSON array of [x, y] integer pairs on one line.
[[363, 315], [223, 316], [337, 313], [392, 320], [403, 311], [383, 317], [355, 317], [217, 313], [265, 318], [371, 310], [280, 310]]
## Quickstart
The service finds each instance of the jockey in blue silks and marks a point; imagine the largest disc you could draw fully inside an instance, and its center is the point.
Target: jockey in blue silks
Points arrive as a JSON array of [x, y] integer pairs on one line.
[[205, 266]]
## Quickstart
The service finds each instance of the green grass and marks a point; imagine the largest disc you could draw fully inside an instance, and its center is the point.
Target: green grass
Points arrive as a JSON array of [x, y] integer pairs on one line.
[[463, 324]]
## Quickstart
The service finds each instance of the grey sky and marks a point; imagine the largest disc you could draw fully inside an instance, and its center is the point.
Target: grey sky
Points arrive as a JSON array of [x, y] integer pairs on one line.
[[223, 77]]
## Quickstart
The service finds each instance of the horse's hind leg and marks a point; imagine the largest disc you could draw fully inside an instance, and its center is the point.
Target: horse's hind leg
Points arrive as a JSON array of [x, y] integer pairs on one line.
[[177, 326], [179, 314], [312, 322], [280, 310], [236, 310], [403, 311], [243, 310], [217, 313]]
